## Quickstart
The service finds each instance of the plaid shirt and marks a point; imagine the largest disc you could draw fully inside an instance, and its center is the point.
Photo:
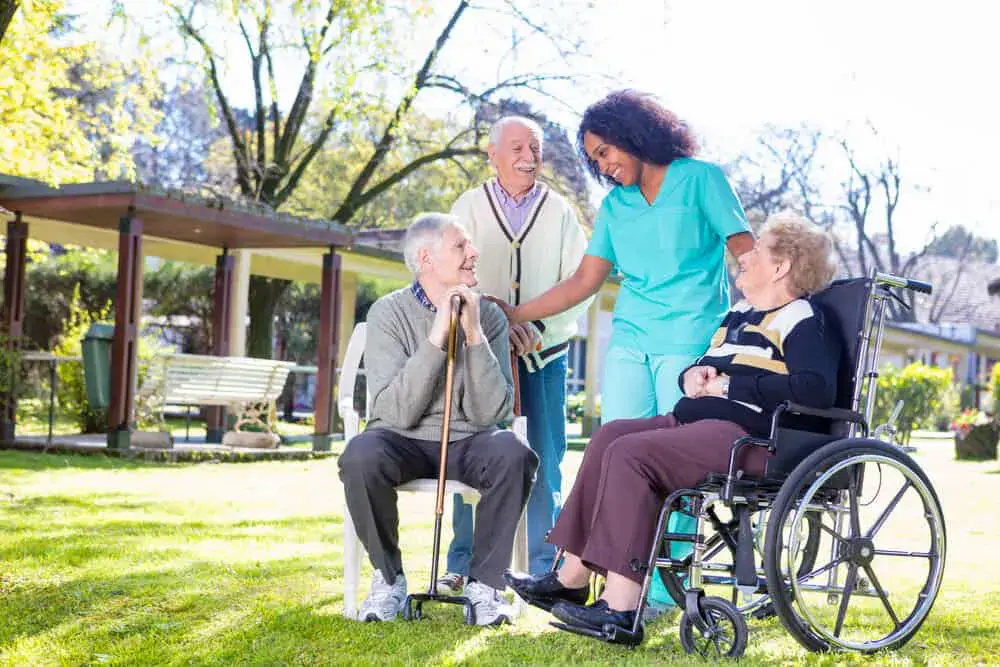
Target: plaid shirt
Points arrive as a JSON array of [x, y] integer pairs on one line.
[[418, 291]]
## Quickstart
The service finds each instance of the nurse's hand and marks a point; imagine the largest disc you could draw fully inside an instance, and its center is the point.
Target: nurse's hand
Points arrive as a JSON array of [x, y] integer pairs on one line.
[[696, 380], [507, 309]]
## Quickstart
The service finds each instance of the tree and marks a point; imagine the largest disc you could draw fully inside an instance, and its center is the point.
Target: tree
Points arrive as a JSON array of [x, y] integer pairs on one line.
[[177, 156], [960, 243], [340, 44], [76, 111]]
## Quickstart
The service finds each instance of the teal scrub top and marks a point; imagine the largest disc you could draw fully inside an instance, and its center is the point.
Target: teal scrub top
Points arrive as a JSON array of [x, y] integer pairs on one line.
[[674, 288]]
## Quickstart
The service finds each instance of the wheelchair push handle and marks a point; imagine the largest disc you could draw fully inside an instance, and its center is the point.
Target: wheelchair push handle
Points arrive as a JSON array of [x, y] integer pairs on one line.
[[905, 283]]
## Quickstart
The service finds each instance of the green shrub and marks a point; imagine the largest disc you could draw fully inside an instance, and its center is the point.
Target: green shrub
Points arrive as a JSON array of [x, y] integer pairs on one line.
[[995, 390], [72, 392], [576, 403], [951, 405], [921, 388]]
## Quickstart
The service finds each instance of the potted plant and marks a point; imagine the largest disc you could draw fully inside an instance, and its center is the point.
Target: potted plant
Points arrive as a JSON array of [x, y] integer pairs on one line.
[[975, 436]]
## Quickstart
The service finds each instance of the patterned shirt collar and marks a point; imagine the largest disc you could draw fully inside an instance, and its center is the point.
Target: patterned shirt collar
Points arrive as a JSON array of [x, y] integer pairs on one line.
[[421, 295]]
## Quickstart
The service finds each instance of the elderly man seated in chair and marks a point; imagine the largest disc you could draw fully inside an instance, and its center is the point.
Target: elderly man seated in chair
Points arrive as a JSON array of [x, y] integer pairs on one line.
[[771, 347], [405, 362]]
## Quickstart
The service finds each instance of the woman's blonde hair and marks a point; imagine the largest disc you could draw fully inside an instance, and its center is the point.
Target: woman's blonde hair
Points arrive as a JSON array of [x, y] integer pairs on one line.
[[808, 249]]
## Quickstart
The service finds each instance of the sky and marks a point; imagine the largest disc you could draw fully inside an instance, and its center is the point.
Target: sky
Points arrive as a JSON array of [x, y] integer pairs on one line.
[[923, 73]]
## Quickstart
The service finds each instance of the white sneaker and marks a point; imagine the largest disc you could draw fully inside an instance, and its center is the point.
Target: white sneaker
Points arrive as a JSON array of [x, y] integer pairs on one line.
[[384, 602], [490, 605], [450, 584]]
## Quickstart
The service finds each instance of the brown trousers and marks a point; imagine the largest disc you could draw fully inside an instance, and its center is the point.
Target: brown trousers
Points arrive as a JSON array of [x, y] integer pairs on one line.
[[628, 470]]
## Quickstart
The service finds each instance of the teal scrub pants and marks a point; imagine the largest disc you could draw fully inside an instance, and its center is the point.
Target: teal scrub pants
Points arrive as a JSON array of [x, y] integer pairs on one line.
[[636, 385]]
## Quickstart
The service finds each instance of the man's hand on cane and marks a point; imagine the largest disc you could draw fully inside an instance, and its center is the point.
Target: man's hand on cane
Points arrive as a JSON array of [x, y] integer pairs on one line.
[[524, 339], [468, 317]]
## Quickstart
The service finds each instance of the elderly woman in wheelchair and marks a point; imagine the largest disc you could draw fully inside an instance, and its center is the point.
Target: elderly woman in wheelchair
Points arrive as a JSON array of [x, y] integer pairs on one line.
[[758, 405]]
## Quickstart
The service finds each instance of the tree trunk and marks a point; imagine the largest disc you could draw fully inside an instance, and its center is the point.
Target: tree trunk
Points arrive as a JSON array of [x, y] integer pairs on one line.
[[264, 296], [7, 10]]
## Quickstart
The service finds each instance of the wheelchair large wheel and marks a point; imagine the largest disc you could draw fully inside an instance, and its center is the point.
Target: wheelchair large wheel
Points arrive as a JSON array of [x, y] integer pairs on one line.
[[882, 551], [718, 557]]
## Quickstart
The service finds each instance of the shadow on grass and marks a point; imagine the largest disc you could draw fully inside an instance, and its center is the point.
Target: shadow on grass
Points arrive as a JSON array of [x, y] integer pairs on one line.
[[73, 546], [15, 460]]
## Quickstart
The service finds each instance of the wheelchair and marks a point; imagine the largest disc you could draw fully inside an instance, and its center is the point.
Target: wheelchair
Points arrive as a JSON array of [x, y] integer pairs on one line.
[[842, 538]]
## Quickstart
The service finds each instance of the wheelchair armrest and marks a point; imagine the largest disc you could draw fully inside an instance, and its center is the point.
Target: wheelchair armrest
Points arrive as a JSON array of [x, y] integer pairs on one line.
[[833, 414]]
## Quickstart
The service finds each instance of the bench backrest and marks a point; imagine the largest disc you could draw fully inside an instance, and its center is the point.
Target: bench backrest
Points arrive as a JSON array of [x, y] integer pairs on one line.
[[196, 379]]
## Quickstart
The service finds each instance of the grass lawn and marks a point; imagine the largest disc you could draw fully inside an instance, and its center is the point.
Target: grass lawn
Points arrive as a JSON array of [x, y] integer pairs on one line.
[[117, 562]]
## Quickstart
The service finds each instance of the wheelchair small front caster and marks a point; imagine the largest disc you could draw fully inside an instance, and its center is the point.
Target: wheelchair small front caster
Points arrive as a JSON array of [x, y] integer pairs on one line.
[[413, 610], [725, 634]]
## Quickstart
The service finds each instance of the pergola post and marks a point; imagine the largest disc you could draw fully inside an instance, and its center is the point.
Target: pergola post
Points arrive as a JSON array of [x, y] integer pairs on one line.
[[326, 374], [128, 314], [215, 417], [239, 297], [591, 421], [13, 318]]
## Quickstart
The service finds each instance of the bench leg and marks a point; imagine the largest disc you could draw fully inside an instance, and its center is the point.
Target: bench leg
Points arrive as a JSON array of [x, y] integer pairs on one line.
[[352, 566]]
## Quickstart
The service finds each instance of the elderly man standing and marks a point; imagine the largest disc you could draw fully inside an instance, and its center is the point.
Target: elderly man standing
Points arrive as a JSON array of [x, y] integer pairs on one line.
[[405, 363], [531, 240]]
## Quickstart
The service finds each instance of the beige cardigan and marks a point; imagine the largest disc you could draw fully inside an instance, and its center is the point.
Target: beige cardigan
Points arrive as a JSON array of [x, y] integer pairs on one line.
[[519, 267]]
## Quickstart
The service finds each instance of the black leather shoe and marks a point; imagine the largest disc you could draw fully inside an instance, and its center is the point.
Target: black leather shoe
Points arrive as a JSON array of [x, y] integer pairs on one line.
[[544, 591], [595, 618]]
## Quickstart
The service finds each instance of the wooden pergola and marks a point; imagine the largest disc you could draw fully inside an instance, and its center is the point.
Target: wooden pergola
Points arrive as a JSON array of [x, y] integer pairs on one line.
[[170, 225]]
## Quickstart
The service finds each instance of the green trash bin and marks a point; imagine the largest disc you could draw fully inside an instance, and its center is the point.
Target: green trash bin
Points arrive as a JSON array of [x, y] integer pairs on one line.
[[96, 352]]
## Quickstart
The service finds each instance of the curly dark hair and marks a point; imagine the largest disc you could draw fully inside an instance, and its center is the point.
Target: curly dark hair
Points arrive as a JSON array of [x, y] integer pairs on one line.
[[638, 124]]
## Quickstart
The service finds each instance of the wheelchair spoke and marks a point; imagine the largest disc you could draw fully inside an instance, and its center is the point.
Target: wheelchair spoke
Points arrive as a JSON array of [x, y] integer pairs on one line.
[[830, 531], [906, 554], [870, 571], [888, 510], [853, 505], [845, 598], [823, 570]]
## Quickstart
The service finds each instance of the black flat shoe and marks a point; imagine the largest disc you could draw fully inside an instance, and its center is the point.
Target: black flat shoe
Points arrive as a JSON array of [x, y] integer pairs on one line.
[[544, 591], [595, 617]]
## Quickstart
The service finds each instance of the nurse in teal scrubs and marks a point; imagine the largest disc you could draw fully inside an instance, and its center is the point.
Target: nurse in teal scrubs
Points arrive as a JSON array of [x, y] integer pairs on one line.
[[664, 226]]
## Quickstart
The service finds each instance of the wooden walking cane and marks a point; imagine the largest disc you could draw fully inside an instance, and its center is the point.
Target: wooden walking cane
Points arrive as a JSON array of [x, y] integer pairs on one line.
[[413, 606]]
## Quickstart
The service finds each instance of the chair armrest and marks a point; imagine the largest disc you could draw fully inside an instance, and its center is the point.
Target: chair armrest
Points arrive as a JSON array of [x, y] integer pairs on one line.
[[833, 414]]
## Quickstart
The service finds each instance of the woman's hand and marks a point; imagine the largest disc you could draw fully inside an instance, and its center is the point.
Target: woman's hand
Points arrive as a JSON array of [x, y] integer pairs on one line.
[[697, 379], [718, 386]]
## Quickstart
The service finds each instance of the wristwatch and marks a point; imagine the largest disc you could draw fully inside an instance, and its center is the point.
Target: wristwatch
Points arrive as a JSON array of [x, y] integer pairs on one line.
[[724, 385]]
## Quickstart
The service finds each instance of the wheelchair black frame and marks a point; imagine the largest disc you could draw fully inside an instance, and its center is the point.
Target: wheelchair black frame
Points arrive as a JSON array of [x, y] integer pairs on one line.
[[757, 495]]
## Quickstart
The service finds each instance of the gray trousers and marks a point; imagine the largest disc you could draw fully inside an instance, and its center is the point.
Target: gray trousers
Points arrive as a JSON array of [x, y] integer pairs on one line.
[[497, 463]]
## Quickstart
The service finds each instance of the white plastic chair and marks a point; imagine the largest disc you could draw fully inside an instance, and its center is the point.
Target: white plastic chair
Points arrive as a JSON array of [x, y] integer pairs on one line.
[[353, 553]]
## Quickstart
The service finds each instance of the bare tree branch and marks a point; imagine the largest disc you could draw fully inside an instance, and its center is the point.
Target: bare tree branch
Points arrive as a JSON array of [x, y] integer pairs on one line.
[[240, 154], [354, 195]]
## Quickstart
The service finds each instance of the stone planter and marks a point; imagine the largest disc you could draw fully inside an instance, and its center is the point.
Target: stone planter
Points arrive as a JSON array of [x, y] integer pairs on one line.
[[979, 444]]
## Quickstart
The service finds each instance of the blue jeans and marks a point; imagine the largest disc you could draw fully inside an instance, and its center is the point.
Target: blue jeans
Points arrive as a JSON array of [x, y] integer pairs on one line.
[[543, 402], [636, 385]]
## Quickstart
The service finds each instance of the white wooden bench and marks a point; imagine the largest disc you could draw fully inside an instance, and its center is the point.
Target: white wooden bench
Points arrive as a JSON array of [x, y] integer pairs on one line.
[[353, 552], [246, 385]]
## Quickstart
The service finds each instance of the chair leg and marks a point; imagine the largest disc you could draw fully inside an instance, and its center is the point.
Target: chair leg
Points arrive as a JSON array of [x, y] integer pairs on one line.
[[521, 558], [352, 566]]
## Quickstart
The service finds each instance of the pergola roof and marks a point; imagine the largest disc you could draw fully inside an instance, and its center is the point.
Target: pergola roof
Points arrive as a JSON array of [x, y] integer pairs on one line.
[[169, 215]]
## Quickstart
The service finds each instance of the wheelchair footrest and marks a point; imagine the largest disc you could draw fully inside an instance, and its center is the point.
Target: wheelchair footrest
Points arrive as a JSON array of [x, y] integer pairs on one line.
[[612, 634]]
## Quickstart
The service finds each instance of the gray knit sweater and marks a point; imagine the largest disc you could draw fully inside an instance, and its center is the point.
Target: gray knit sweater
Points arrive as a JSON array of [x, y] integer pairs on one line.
[[406, 372]]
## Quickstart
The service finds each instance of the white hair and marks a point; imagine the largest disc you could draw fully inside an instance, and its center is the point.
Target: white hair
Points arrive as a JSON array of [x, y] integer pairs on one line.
[[496, 131], [426, 231]]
